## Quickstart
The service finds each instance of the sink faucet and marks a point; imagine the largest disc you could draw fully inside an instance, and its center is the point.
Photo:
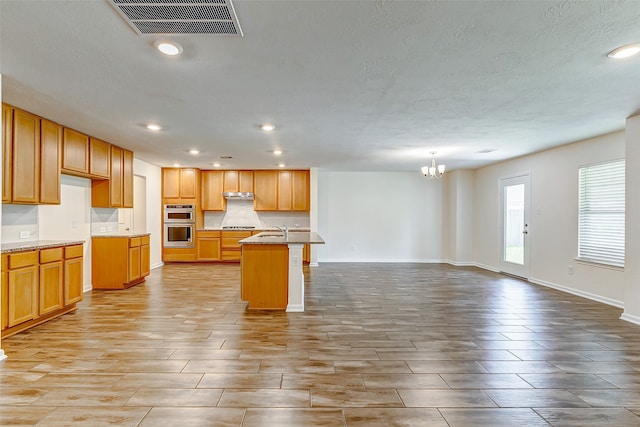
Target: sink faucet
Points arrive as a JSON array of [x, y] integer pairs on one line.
[[284, 229]]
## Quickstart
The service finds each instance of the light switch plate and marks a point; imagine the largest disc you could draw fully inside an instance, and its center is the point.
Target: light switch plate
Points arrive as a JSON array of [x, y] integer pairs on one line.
[[24, 234]]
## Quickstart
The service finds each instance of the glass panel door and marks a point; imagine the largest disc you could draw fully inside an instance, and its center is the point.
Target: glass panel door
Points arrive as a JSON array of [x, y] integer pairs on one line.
[[514, 196]]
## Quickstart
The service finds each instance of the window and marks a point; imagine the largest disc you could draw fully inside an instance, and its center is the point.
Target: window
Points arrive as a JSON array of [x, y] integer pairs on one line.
[[601, 213]]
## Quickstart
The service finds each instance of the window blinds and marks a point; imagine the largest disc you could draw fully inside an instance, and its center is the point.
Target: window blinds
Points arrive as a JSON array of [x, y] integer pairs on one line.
[[601, 213]]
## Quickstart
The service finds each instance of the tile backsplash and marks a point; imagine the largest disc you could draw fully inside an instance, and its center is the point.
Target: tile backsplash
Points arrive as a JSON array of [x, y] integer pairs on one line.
[[241, 213], [17, 220]]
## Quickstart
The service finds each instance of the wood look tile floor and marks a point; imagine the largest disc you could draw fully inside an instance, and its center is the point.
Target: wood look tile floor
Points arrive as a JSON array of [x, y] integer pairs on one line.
[[378, 345]]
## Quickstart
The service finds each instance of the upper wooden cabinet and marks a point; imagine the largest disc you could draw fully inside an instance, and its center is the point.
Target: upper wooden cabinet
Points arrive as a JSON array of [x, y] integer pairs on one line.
[[300, 191], [180, 184], [50, 162], [265, 188], [7, 150], [281, 190], [26, 157], [212, 187], [75, 152], [117, 191], [127, 179], [238, 181], [99, 158]]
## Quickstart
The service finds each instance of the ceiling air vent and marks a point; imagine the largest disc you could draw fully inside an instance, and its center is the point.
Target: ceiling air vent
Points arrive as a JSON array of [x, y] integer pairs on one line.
[[164, 17]]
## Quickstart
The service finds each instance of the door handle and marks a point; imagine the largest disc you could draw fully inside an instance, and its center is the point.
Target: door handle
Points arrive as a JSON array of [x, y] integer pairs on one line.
[[525, 232]]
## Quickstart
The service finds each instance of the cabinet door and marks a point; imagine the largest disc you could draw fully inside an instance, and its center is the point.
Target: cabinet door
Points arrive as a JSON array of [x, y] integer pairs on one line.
[[231, 181], [212, 188], [75, 151], [99, 158], [4, 294], [7, 150], [73, 278], [209, 248], [127, 179], [115, 184], [51, 287], [145, 260], [245, 181], [50, 162], [170, 183], [134, 263], [188, 184], [26, 157], [265, 187], [284, 190], [300, 191], [23, 291]]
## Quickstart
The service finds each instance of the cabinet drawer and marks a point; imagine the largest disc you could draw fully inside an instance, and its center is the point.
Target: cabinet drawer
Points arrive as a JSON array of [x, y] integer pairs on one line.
[[231, 255], [23, 259], [208, 234], [50, 255], [74, 251], [144, 240], [134, 242]]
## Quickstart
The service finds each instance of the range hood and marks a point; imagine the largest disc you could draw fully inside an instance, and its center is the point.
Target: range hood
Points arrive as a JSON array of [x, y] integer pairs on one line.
[[235, 195]]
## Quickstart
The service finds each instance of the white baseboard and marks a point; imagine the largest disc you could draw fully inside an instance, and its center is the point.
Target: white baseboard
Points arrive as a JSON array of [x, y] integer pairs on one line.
[[295, 308], [160, 264], [486, 267], [461, 263], [630, 318], [584, 294], [383, 261], [2, 355]]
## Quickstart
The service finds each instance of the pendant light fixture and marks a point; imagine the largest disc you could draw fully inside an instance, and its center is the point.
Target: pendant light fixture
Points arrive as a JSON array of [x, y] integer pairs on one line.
[[433, 171]]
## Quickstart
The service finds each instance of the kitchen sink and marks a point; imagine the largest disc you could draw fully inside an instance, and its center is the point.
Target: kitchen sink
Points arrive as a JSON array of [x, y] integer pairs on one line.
[[270, 235]]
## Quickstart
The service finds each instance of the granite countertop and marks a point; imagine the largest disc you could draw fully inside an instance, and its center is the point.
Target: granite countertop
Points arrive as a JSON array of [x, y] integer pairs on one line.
[[277, 238], [119, 235], [33, 245]]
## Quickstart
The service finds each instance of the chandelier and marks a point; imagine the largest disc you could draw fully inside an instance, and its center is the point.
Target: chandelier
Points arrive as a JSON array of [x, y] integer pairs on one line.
[[433, 171]]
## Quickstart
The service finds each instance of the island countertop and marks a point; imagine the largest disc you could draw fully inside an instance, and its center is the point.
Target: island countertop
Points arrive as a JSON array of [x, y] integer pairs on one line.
[[278, 238]]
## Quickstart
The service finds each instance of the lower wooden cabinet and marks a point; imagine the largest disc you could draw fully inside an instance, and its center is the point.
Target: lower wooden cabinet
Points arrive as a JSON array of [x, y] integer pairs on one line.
[[208, 244], [35, 286], [73, 274], [51, 289], [119, 262], [231, 249]]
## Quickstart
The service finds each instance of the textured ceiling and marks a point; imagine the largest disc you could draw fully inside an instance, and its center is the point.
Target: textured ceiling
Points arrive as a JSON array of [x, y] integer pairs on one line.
[[360, 85]]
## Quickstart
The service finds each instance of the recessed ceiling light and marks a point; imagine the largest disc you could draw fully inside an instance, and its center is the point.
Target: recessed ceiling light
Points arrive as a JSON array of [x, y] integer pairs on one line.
[[268, 127], [216, 165], [281, 165], [277, 152], [624, 51], [176, 165], [169, 48], [194, 152], [154, 127]]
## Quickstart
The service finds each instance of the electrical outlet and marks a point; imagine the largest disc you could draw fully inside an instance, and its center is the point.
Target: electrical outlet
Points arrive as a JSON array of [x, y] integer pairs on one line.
[[570, 270], [24, 234], [103, 229], [74, 224]]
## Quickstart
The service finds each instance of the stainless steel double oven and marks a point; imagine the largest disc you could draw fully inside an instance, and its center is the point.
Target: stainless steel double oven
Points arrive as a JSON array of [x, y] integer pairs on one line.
[[179, 226]]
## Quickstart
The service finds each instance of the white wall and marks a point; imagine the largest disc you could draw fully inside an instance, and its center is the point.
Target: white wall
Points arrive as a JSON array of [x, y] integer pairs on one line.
[[554, 217], [71, 219], [153, 177], [379, 216], [632, 221], [458, 217]]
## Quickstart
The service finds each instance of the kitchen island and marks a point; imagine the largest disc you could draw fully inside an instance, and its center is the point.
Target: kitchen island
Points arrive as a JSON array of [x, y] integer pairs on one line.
[[271, 270]]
